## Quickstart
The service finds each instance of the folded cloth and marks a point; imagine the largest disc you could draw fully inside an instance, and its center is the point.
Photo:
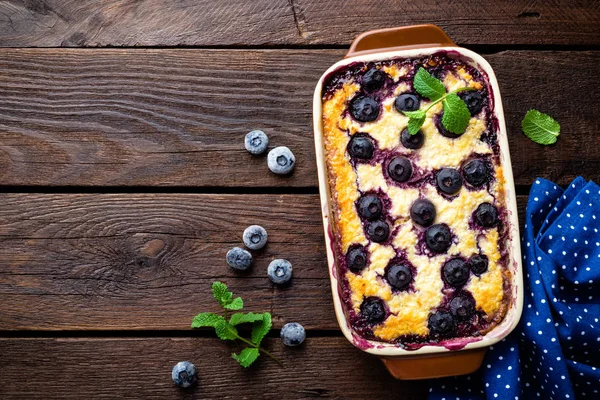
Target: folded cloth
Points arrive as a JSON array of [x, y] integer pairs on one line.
[[554, 353]]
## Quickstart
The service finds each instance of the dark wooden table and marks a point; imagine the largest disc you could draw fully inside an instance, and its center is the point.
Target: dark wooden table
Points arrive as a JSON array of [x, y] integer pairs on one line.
[[124, 178]]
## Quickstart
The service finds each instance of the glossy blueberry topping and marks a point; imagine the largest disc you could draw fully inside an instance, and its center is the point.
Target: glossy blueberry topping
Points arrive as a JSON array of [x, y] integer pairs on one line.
[[449, 180], [407, 102], [356, 258], [412, 142], [442, 129], [373, 79], [400, 169], [378, 231], [438, 238], [370, 207], [478, 264], [486, 215], [441, 323], [462, 307], [399, 276], [372, 310], [361, 146], [364, 108], [473, 100], [475, 172], [456, 272], [422, 212]]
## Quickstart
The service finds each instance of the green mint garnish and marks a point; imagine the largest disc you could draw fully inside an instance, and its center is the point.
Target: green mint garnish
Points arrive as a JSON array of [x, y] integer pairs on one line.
[[227, 330], [540, 127], [456, 114]]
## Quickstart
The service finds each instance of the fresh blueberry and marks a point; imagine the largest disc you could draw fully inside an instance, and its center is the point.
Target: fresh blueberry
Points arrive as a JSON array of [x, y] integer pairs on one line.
[[473, 100], [370, 207], [356, 258], [184, 374], [372, 310], [412, 142], [486, 215], [478, 264], [400, 169], [280, 271], [292, 334], [361, 146], [399, 276], [373, 79], [423, 212], [407, 102], [256, 142], [441, 323], [462, 307], [239, 259], [438, 238], [448, 180], [456, 272], [442, 129], [364, 108], [378, 231], [475, 172], [255, 237], [281, 160]]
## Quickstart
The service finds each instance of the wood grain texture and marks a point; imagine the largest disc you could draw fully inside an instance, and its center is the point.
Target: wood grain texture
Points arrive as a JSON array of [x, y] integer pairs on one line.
[[51, 23], [73, 368], [135, 261], [178, 117]]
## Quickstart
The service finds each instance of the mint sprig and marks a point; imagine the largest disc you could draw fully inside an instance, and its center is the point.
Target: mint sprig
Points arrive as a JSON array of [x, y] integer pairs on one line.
[[456, 113], [540, 127], [226, 330]]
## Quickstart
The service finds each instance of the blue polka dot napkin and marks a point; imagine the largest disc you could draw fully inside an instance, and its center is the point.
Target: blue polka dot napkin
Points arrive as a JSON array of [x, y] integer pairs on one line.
[[554, 353]]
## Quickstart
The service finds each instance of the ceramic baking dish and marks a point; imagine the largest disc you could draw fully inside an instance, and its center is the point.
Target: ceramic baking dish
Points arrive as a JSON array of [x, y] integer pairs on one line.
[[431, 360]]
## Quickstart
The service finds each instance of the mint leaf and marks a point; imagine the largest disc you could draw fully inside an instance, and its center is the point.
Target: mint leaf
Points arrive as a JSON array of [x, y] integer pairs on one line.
[[207, 319], [236, 304], [241, 318], [456, 114], [540, 127], [428, 86], [415, 124], [261, 328], [221, 293], [246, 357], [226, 331]]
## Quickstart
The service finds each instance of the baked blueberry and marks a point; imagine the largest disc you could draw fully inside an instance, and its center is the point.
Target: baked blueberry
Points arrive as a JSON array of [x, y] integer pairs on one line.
[[407, 102], [378, 231], [478, 264], [372, 310], [400, 169], [364, 108], [184, 374], [399, 276], [448, 180], [423, 212], [256, 142], [292, 334], [442, 129], [438, 238], [356, 258], [486, 215], [238, 258], [412, 142], [441, 323], [255, 237], [462, 307], [373, 79], [473, 100], [279, 271], [281, 160], [475, 172], [361, 146], [370, 207], [456, 272]]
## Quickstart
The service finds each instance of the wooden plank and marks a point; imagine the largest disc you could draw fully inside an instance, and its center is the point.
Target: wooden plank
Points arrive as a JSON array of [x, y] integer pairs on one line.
[[323, 367], [178, 117], [135, 261], [51, 23]]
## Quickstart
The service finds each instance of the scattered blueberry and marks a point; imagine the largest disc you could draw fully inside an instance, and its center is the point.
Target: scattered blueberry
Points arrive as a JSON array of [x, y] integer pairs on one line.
[[184, 374], [255, 237], [407, 102], [400, 169], [378, 231], [412, 142], [281, 160], [399, 276], [356, 258], [361, 146], [292, 334], [370, 207], [456, 272], [364, 108], [423, 212], [280, 271], [238, 258], [441, 323], [442, 129], [448, 180], [373, 79], [475, 172], [438, 238], [462, 307], [486, 215], [473, 100], [372, 310], [478, 264], [256, 142]]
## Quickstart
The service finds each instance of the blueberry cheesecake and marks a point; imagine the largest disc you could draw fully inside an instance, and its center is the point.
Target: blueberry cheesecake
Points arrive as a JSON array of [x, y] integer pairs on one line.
[[419, 220]]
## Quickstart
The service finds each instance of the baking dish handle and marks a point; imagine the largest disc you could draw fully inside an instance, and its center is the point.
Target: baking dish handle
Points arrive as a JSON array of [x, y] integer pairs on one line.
[[399, 38]]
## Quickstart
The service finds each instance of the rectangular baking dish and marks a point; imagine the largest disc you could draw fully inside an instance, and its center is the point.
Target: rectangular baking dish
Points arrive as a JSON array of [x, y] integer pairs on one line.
[[429, 361]]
